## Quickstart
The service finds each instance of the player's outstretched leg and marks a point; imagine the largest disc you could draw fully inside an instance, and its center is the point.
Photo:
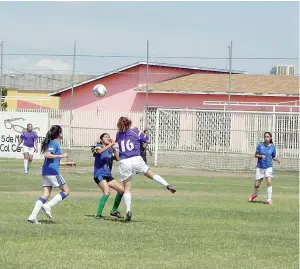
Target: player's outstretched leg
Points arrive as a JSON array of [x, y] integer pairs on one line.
[[269, 191], [38, 205], [56, 199], [116, 185], [158, 179]]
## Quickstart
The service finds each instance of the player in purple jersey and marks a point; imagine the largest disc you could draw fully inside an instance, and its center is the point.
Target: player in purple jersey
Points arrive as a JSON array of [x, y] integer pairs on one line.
[[29, 140], [265, 154], [51, 174], [131, 162]]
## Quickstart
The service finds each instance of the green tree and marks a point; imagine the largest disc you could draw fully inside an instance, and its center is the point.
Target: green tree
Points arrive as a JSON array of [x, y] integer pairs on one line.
[[3, 102]]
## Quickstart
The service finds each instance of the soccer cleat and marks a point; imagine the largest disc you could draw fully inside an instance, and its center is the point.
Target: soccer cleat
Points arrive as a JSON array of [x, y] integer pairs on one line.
[[115, 214], [252, 198], [26, 172], [269, 202], [33, 220], [47, 211], [98, 217], [171, 188], [128, 216]]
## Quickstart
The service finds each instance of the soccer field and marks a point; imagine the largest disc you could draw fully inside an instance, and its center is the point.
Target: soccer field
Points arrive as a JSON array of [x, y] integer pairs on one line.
[[207, 224]]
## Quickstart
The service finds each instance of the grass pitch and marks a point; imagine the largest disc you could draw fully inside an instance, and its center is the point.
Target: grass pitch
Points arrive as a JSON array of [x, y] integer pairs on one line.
[[207, 224]]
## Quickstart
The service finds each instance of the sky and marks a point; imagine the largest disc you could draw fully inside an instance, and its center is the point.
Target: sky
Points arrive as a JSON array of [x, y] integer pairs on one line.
[[174, 29]]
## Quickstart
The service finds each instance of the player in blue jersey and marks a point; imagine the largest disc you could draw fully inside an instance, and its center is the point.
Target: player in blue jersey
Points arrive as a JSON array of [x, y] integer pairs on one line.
[[105, 152], [51, 175], [131, 162], [265, 154]]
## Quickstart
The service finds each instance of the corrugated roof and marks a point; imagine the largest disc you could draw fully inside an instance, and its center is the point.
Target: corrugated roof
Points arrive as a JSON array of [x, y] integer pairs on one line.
[[218, 83], [144, 63]]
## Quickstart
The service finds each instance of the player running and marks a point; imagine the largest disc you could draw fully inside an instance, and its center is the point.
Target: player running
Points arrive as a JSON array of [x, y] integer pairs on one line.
[[131, 162], [51, 175], [265, 153], [104, 153], [29, 140]]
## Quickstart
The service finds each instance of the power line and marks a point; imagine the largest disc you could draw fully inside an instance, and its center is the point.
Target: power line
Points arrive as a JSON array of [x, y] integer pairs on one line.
[[152, 57]]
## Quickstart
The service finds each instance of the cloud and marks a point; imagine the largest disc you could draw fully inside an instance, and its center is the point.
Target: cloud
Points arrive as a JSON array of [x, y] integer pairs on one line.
[[53, 65]]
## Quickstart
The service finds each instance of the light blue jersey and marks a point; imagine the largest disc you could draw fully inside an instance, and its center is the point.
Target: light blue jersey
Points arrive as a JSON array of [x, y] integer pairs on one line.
[[268, 151], [51, 166]]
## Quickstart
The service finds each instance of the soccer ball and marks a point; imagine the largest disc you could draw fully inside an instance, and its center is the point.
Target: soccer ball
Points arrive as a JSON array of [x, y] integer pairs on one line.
[[99, 90]]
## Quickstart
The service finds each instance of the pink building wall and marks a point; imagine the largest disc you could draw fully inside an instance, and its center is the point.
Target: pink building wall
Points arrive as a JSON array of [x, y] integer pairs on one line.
[[121, 95]]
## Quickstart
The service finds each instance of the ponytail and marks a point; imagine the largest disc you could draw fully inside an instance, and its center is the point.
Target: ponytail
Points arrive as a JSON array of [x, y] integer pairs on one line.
[[54, 132], [271, 141], [46, 142]]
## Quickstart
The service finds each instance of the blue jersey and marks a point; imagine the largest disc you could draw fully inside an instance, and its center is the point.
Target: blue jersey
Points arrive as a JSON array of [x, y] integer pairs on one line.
[[51, 166], [103, 162], [269, 152]]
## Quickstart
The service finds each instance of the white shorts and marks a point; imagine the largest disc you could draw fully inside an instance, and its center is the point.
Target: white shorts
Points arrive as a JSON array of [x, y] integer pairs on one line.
[[263, 173], [53, 181], [28, 150], [133, 165]]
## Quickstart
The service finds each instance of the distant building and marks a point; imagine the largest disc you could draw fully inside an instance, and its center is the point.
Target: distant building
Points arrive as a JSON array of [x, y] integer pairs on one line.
[[287, 70]]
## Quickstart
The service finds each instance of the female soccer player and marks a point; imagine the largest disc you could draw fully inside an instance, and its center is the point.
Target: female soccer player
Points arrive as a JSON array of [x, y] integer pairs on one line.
[[51, 175], [104, 153], [265, 153], [131, 162], [29, 140]]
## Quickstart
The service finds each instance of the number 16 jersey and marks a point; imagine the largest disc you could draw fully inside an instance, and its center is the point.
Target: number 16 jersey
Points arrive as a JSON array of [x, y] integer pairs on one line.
[[129, 143]]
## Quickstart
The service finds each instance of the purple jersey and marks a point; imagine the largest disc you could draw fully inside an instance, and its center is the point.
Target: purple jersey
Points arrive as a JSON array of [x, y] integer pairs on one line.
[[129, 143], [29, 138]]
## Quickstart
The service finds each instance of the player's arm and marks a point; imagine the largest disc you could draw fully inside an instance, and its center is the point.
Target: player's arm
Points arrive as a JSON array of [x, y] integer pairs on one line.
[[51, 152], [72, 164], [116, 152], [274, 156], [257, 155], [21, 139], [50, 155], [101, 149]]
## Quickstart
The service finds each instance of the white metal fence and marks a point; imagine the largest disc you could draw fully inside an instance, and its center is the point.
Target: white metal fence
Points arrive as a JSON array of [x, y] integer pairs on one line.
[[191, 138]]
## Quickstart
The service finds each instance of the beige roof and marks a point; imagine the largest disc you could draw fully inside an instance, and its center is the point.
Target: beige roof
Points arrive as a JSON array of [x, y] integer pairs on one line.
[[218, 83]]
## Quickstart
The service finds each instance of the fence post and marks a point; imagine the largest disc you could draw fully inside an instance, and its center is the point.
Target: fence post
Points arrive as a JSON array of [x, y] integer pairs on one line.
[[156, 137], [70, 129]]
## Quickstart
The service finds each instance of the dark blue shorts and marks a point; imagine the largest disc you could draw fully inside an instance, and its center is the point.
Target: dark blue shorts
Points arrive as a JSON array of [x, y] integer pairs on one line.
[[100, 178]]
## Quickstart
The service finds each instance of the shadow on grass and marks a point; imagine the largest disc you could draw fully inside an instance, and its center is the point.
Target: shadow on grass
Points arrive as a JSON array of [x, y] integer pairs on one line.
[[122, 220], [47, 221], [258, 202]]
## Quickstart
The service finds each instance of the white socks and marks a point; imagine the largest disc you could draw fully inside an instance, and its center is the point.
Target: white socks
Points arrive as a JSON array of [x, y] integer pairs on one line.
[[25, 165], [38, 205], [56, 199], [127, 201], [269, 193], [158, 179]]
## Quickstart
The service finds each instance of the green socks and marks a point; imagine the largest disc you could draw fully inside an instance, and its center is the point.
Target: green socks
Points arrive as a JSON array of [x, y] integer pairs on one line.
[[102, 203], [117, 202]]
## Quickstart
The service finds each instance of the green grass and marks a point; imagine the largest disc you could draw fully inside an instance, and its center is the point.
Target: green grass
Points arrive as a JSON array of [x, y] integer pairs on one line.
[[207, 224]]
